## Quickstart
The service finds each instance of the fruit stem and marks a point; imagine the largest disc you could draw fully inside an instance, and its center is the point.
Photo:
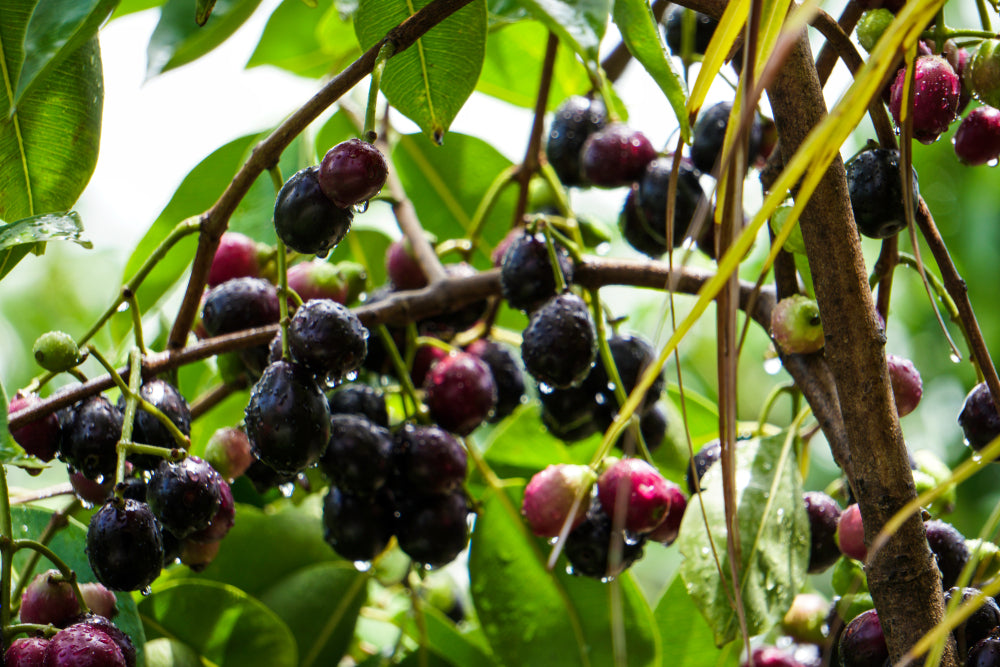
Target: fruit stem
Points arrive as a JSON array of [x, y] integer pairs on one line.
[[27, 628], [984, 14], [384, 53], [488, 202], [557, 273], [67, 572], [409, 391], [131, 403], [133, 308], [282, 259], [418, 617], [57, 522]]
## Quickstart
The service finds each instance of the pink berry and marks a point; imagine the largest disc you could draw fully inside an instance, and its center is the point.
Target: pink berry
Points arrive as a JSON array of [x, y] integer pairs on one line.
[[317, 279], [616, 156], [771, 656], [907, 387], [198, 555], [977, 139], [460, 392], [223, 520], [236, 257], [26, 652], [228, 451], [935, 97], [425, 358], [83, 646], [645, 492], [40, 437], [99, 599], [352, 172], [668, 530], [549, 498], [851, 533], [49, 599], [402, 268]]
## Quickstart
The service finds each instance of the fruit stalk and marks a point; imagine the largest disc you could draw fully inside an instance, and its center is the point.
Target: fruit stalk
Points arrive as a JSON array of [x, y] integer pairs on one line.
[[384, 53]]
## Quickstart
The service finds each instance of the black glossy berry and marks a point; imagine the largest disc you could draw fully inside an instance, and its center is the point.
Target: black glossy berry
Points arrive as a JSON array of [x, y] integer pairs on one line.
[[862, 644], [526, 277], [287, 418], [560, 344], [948, 547], [264, 477], [242, 303], [644, 216], [652, 426], [824, 514], [976, 627], [184, 496], [700, 463], [91, 436], [704, 28], [632, 355], [124, 545], [148, 430], [427, 460], [352, 172], [710, 134], [588, 547], [327, 338], [985, 654], [307, 220], [460, 392], [876, 191], [356, 527], [105, 625], [575, 120], [568, 413], [615, 156], [359, 399], [433, 530], [358, 458], [507, 376], [979, 419]]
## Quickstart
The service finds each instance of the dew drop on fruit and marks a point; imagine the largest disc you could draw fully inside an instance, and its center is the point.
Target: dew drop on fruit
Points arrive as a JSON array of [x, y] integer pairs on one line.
[[322, 254], [362, 565], [361, 207], [287, 489], [146, 592]]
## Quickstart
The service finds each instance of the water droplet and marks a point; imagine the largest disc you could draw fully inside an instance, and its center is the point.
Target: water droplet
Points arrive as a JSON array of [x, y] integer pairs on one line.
[[772, 366], [603, 248], [992, 163], [705, 551], [361, 207], [123, 307], [955, 357], [287, 489], [146, 592], [362, 565]]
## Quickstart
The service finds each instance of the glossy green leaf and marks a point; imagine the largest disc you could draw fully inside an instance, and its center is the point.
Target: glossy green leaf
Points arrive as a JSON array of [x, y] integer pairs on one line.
[[221, 623], [57, 29], [304, 40], [521, 446], [580, 24], [641, 34], [684, 630], [127, 7], [164, 652], [46, 227], [446, 641], [320, 604], [446, 184], [773, 539], [512, 68], [532, 616], [366, 247], [178, 39], [431, 80], [69, 543]]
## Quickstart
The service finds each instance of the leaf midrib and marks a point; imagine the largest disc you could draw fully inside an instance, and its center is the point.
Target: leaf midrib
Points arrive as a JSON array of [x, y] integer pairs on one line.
[[17, 126]]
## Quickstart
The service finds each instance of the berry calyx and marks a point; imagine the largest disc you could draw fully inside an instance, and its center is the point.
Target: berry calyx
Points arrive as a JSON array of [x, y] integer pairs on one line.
[[236, 257], [876, 191], [56, 351], [550, 494], [352, 172], [907, 387], [184, 496], [637, 492], [305, 219], [460, 392], [124, 545], [615, 156], [977, 139], [560, 344], [795, 325], [935, 97], [979, 419], [575, 120]]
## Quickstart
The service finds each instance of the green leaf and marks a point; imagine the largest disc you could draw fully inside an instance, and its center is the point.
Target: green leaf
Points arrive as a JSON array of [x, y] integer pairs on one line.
[[641, 34], [520, 446], [68, 544], [687, 634], [773, 539], [164, 652], [446, 183], [532, 616], [320, 604], [430, 81], [203, 10], [511, 71], [311, 42], [366, 247], [46, 227], [178, 39], [127, 7], [222, 623], [445, 640], [57, 29], [580, 24]]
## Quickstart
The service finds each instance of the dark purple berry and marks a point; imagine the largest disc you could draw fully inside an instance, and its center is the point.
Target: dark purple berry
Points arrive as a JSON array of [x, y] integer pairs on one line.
[[433, 530], [49, 598], [402, 268], [823, 513], [39, 437], [327, 338], [643, 219], [652, 426], [876, 191], [907, 386], [124, 545], [568, 413], [979, 625], [710, 134], [977, 139], [526, 277], [949, 549], [632, 356], [236, 257], [460, 392], [242, 303], [985, 654], [83, 645], [356, 527], [105, 625], [287, 419], [551, 494], [935, 97], [223, 520], [352, 172], [26, 652], [589, 545], [307, 220], [979, 419], [358, 458], [704, 28], [507, 376], [264, 477], [560, 344], [91, 437], [575, 120], [700, 463], [644, 492], [427, 460], [615, 156], [862, 643], [184, 496], [359, 399], [148, 430]]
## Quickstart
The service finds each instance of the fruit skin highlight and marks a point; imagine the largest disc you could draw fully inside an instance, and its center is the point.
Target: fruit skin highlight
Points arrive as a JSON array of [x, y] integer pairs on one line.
[[352, 172]]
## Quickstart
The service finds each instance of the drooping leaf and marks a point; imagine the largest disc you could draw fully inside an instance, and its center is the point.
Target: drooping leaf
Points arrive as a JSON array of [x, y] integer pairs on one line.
[[773, 539], [533, 616], [320, 604], [178, 39], [684, 630], [304, 40], [580, 24], [641, 35], [57, 29], [431, 80], [220, 622], [46, 227]]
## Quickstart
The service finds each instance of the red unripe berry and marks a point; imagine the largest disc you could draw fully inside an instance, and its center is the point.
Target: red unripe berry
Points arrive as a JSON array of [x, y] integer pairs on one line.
[[935, 97], [460, 392], [352, 172], [40, 437], [317, 279], [851, 533], [670, 527], [907, 386], [223, 520], [49, 599], [236, 257], [83, 646], [645, 492], [549, 498], [771, 656], [228, 451], [977, 139], [26, 652], [99, 599], [616, 156], [402, 268]]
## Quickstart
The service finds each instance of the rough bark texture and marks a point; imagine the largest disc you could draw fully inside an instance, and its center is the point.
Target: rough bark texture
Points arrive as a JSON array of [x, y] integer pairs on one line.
[[902, 576]]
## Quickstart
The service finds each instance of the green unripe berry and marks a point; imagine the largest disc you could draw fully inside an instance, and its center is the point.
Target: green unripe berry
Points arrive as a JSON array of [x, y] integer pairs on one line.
[[795, 325], [986, 556], [56, 351], [871, 26], [984, 72], [794, 242]]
